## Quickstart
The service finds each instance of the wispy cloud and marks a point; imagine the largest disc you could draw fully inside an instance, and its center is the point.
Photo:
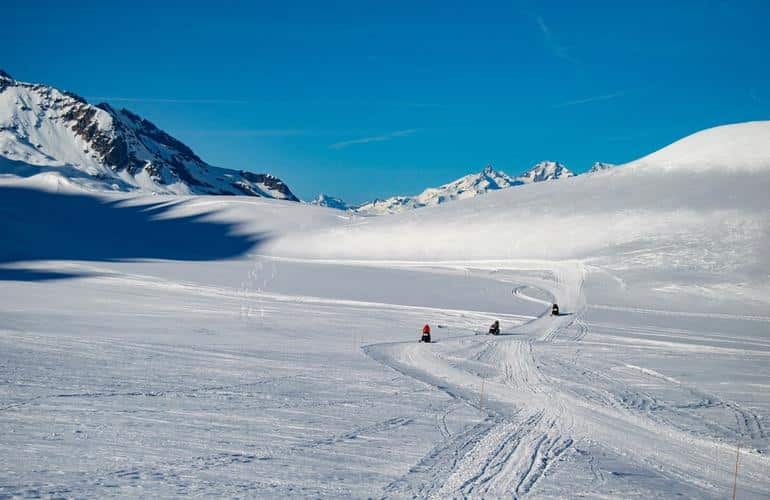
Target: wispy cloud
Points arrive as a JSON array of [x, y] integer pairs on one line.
[[755, 97], [373, 138], [255, 132], [585, 100], [166, 100], [553, 44]]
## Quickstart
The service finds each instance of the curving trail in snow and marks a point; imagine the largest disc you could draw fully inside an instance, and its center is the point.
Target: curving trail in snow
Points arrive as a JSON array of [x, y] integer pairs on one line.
[[529, 422]]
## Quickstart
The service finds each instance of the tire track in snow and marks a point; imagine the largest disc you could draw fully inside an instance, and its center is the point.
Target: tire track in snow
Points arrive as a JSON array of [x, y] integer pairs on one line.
[[513, 453], [535, 421]]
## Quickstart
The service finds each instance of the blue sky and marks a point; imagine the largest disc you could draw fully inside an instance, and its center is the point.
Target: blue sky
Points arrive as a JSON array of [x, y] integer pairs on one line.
[[368, 99]]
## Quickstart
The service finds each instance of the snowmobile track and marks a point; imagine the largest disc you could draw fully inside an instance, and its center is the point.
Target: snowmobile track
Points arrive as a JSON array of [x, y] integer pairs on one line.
[[531, 420]]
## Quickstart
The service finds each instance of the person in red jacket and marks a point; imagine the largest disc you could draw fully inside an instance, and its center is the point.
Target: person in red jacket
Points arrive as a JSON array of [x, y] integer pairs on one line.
[[425, 333]]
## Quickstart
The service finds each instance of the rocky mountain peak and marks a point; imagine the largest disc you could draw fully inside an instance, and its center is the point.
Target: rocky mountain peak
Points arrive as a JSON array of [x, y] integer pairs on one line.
[[324, 200], [49, 130], [599, 166], [545, 171], [489, 170]]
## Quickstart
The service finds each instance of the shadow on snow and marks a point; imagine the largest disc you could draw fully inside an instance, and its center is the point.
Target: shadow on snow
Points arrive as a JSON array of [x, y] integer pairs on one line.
[[39, 225]]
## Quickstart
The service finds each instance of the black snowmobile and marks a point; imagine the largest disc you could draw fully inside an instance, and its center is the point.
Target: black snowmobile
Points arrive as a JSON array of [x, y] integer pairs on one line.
[[555, 310], [495, 328]]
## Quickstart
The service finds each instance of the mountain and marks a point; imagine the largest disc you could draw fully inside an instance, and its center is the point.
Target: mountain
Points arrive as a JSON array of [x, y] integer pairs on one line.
[[325, 200], [45, 130], [599, 166], [469, 186], [544, 171]]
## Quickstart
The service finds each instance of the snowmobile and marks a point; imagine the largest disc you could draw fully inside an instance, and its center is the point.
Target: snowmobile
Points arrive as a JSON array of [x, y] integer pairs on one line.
[[425, 334], [495, 328], [555, 310]]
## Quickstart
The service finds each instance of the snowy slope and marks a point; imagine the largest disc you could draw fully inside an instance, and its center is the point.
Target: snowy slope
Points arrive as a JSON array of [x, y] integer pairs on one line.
[[243, 347], [713, 200], [44, 130], [742, 147]]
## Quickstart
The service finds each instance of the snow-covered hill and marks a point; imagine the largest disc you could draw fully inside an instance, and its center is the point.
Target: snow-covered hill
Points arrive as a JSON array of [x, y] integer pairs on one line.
[[741, 147], [469, 186], [45, 130]]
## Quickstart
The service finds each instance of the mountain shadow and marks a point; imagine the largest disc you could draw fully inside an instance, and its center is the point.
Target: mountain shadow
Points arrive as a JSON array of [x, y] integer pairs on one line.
[[37, 225]]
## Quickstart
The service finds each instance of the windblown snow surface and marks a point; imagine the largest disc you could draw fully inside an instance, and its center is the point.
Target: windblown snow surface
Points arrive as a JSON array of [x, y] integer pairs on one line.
[[206, 346]]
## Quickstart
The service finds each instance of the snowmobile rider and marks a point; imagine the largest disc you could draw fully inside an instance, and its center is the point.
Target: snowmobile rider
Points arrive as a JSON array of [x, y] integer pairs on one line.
[[425, 334], [495, 328]]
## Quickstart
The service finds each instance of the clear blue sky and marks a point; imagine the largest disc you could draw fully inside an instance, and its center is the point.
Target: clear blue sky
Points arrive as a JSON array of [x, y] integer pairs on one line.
[[367, 99]]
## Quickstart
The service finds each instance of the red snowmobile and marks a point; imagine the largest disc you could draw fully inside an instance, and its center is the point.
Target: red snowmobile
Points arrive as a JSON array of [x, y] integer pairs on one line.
[[425, 334]]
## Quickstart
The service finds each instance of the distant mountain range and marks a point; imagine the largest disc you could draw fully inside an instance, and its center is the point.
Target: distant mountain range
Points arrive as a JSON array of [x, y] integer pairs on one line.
[[468, 186], [45, 130]]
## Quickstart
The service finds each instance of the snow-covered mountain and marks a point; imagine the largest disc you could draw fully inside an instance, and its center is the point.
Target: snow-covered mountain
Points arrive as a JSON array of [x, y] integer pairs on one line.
[[324, 200], [544, 171], [600, 166], [45, 130], [468, 186]]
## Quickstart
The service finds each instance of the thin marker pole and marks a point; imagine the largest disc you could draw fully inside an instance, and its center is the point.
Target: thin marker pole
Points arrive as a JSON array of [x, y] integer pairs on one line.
[[735, 479], [481, 397]]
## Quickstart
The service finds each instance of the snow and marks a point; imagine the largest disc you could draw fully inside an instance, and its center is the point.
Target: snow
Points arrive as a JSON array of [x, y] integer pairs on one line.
[[234, 346], [741, 147]]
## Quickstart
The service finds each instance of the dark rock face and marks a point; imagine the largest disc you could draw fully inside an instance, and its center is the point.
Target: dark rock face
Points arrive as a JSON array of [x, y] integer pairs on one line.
[[113, 150], [148, 129], [5, 80], [272, 182]]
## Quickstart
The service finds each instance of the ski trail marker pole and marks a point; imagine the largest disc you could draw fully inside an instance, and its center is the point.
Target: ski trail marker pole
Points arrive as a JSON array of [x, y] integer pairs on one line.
[[735, 478], [481, 397]]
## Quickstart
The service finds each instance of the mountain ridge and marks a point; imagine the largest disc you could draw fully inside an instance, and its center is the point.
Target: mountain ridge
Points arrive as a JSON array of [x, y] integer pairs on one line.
[[44, 129], [468, 186]]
